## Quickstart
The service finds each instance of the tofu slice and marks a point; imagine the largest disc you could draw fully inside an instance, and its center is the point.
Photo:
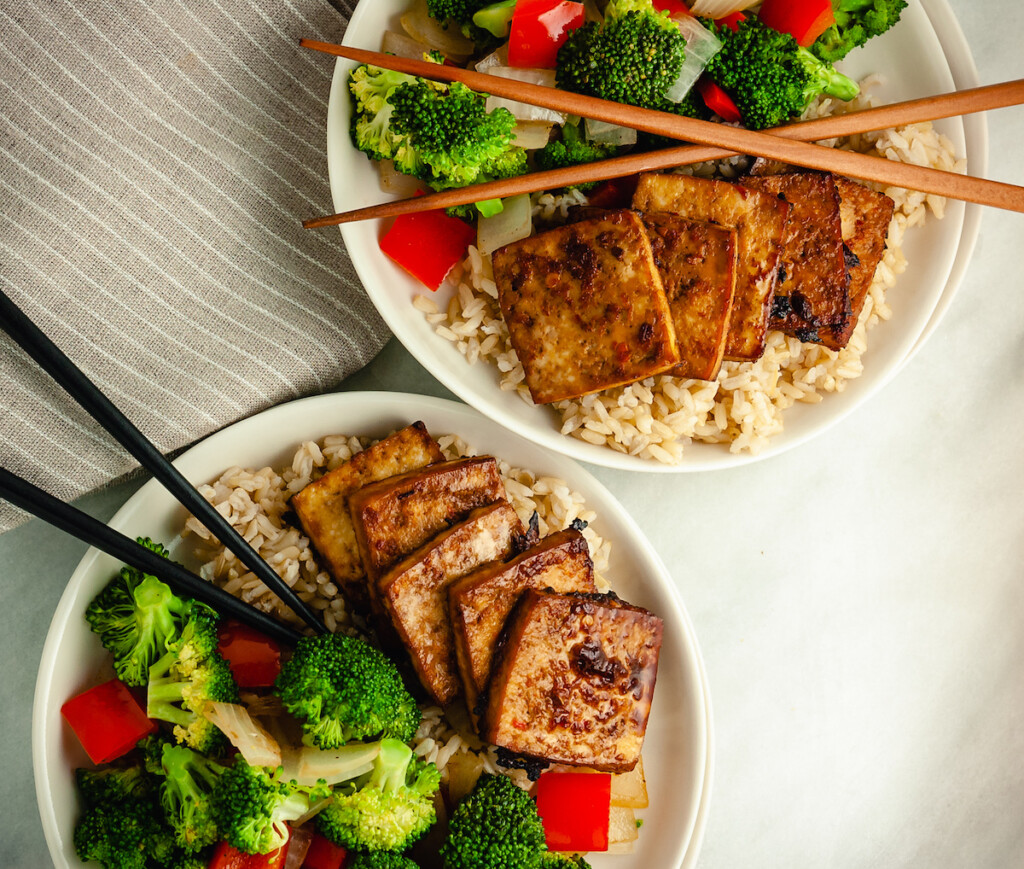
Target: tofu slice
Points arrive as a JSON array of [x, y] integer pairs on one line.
[[812, 291], [395, 516], [759, 220], [865, 216], [322, 506], [415, 591], [573, 680], [585, 307], [479, 602], [697, 264]]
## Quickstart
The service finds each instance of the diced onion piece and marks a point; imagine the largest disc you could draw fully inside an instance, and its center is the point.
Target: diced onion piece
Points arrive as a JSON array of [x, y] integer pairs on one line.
[[498, 57], [532, 135], [308, 765], [701, 46], [523, 111], [513, 223], [432, 33], [629, 789], [401, 45], [299, 840], [395, 182], [609, 134], [244, 732], [622, 830], [720, 8], [463, 770]]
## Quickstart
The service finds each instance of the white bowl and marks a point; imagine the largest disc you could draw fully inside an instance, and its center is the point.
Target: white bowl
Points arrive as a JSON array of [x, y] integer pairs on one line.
[[925, 54], [678, 746]]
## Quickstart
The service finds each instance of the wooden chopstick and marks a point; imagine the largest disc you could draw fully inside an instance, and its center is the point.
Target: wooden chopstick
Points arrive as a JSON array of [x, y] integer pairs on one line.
[[720, 136], [52, 360], [40, 503], [931, 108]]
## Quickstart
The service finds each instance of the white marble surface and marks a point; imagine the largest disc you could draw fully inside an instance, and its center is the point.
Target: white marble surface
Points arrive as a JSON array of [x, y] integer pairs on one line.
[[859, 601]]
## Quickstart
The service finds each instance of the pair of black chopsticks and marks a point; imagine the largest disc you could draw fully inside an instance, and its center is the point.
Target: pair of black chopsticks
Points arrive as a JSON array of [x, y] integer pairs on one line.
[[34, 500]]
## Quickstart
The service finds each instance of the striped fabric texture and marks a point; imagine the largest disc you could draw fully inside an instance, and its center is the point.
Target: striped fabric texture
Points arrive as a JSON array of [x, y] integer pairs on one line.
[[159, 158]]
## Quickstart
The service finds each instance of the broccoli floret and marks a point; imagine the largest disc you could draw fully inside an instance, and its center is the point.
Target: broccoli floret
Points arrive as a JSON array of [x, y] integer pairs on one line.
[[120, 827], [382, 860], [633, 56], [198, 639], [185, 795], [387, 810], [856, 22], [769, 76], [136, 616], [496, 826], [557, 860], [461, 13], [573, 149], [342, 688], [178, 691], [252, 808]]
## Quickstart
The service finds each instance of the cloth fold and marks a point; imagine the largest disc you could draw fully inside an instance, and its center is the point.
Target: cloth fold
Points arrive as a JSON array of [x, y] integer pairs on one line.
[[158, 161]]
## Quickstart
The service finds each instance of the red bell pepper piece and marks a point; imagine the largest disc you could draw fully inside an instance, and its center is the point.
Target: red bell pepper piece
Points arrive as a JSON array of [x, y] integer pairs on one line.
[[614, 193], [323, 854], [574, 807], [539, 27], [254, 658], [718, 100], [107, 720], [731, 21], [674, 8], [226, 856], [428, 244], [804, 20]]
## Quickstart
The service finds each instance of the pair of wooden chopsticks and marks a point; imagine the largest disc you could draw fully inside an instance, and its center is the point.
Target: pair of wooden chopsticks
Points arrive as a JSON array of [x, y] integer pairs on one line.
[[52, 360], [789, 144]]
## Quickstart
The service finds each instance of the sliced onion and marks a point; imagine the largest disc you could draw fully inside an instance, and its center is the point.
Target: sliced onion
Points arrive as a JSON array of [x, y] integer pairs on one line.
[[307, 765], [397, 183], [532, 135], [498, 57], [513, 223], [432, 33], [701, 46], [604, 133], [401, 45], [245, 733], [299, 841], [720, 8], [523, 111]]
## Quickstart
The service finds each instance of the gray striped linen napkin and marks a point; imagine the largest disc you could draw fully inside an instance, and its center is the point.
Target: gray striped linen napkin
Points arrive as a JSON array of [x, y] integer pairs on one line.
[[158, 160]]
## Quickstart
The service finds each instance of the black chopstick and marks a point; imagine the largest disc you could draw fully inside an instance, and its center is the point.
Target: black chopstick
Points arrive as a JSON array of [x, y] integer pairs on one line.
[[32, 340], [39, 503]]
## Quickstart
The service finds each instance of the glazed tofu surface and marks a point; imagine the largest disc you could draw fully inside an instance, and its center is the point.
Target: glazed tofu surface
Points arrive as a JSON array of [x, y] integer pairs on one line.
[[322, 506], [479, 602], [812, 291], [415, 591], [759, 220], [697, 264], [395, 516], [865, 216], [573, 680], [585, 307]]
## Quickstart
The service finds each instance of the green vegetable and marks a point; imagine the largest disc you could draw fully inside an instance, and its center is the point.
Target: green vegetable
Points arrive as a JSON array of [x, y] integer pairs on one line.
[[183, 680], [342, 688], [460, 13], [382, 860], [633, 56], [136, 616], [496, 19], [857, 21], [496, 826], [572, 149], [185, 795], [252, 807], [769, 76], [557, 860], [389, 809]]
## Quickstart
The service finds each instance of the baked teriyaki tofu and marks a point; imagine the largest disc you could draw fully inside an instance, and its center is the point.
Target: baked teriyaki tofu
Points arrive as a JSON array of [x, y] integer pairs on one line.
[[585, 307], [415, 591], [573, 680], [322, 506], [812, 291], [760, 222], [480, 601], [395, 516]]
